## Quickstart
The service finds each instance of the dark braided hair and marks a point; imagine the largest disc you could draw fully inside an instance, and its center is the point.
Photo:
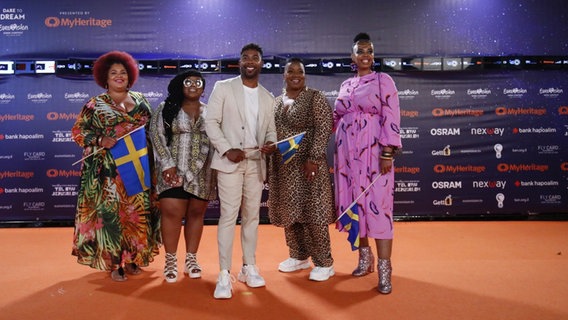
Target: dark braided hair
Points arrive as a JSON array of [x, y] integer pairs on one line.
[[174, 100]]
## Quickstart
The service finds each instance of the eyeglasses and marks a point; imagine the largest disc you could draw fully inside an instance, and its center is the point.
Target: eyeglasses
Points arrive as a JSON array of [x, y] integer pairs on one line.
[[197, 83]]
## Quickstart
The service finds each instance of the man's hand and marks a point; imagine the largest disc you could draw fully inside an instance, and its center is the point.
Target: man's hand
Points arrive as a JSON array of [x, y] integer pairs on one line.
[[235, 155], [268, 148]]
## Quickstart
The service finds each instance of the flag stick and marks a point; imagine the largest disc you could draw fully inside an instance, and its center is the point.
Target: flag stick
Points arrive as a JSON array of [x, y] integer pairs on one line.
[[359, 196], [275, 143], [101, 148]]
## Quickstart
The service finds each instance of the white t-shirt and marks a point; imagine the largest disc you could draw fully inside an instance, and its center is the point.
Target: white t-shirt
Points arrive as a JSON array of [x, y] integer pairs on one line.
[[251, 113]]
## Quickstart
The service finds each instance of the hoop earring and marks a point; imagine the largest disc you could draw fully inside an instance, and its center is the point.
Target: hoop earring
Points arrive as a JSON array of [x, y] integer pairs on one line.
[[353, 66]]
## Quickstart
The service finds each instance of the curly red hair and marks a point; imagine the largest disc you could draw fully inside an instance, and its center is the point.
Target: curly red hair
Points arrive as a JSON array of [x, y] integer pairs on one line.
[[104, 62]]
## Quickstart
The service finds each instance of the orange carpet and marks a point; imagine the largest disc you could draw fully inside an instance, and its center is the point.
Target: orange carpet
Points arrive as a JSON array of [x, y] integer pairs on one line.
[[442, 270]]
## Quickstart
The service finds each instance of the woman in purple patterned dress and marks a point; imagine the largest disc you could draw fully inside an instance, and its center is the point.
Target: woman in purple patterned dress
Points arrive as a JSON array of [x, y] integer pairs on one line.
[[367, 122]]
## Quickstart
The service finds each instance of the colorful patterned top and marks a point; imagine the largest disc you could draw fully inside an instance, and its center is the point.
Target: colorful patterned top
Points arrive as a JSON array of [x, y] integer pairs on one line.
[[366, 118], [111, 227]]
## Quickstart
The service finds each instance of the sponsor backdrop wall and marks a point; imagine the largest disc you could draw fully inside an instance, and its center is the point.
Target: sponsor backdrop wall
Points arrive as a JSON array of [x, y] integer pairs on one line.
[[484, 104]]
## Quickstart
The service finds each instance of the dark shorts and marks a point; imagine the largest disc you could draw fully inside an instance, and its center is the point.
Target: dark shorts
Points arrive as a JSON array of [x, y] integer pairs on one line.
[[178, 193]]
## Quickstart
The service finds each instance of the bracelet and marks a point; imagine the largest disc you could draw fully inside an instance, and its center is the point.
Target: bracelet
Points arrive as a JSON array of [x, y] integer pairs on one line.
[[385, 158], [387, 154], [99, 140]]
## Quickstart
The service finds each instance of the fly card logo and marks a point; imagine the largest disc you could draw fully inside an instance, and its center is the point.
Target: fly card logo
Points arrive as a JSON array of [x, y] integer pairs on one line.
[[34, 156], [34, 206], [548, 149], [550, 199]]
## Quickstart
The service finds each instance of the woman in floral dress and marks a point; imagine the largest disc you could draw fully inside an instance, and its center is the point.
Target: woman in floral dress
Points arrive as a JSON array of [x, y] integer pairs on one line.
[[113, 231]]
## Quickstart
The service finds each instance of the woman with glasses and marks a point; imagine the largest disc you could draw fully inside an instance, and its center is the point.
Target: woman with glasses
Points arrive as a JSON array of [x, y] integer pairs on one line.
[[185, 180]]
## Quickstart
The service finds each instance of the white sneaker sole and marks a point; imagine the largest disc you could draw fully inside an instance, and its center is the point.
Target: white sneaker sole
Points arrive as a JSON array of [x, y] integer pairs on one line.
[[318, 278], [222, 296], [242, 278], [302, 266]]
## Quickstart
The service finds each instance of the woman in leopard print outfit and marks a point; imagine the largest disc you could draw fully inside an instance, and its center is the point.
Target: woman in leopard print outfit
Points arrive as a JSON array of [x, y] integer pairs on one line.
[[301, 194]]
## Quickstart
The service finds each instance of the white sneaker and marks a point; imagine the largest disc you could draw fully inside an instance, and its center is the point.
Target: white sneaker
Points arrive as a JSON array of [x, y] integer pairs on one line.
[[321, 273], [249, 274], [292, 264], [223, 289]]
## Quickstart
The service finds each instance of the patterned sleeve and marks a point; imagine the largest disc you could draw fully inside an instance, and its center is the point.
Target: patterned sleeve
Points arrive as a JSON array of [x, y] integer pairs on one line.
[[83, 132], [159, 141], [390, 135], [323, 123]]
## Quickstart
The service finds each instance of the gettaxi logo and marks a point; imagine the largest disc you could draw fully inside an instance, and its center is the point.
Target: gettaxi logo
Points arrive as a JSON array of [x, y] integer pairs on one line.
[[563, 110], [504, 111]]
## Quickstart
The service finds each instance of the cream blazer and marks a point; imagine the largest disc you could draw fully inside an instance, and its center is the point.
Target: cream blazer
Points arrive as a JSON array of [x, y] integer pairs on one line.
[[225, 121]]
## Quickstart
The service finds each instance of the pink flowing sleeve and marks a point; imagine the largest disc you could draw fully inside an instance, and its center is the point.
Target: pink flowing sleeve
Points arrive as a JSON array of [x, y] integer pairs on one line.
[[390, 135]]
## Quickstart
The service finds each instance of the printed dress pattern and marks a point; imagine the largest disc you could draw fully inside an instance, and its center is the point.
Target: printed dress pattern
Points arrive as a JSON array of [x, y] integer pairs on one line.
[[366, 118], [111, 227]]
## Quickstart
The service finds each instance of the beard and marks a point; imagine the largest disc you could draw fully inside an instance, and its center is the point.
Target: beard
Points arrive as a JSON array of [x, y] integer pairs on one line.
[[250, 74]]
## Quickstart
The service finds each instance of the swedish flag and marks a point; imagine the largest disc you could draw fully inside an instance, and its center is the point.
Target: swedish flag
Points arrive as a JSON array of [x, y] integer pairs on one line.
[[289, 147], [131, 157], [350, 222]]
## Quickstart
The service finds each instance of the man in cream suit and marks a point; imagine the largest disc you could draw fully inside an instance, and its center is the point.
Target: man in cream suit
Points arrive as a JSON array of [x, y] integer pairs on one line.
[[240, 125]]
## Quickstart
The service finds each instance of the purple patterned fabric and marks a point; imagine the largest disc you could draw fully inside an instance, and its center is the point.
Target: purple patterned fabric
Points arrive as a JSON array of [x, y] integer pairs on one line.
[[366, 118]]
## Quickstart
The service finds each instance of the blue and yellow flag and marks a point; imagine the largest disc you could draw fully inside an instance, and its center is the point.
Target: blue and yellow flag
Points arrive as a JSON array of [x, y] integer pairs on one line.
[[289, 147], [131, 157], [350, 222]]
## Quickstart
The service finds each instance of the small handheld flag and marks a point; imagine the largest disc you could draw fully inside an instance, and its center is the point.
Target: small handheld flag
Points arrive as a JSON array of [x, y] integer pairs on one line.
[[288, 147], [349, 218], [131, 157], [350, 222]]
